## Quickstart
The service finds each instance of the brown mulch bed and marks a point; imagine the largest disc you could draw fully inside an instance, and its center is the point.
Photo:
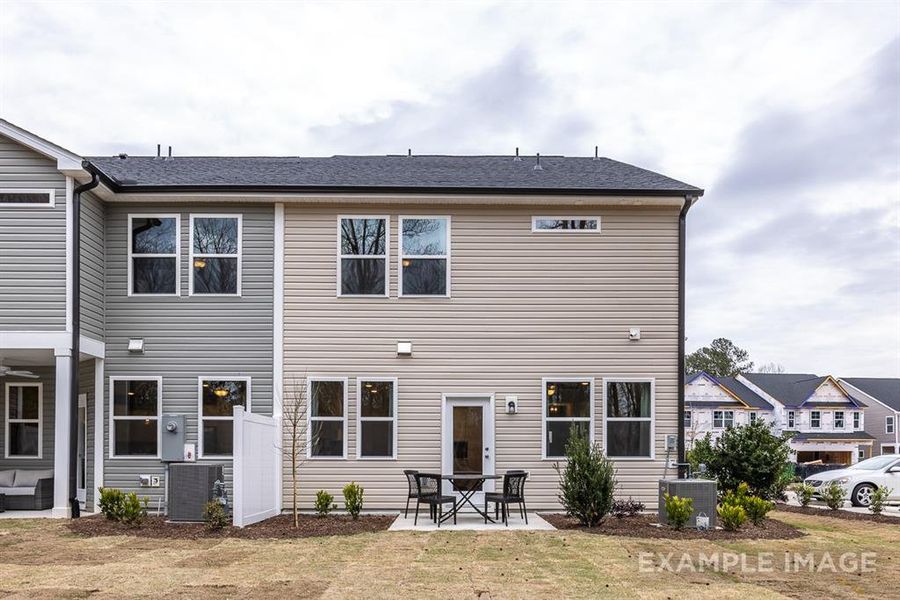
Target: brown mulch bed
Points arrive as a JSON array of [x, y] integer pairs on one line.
[[644, 526], [838, 514], [274, 528]]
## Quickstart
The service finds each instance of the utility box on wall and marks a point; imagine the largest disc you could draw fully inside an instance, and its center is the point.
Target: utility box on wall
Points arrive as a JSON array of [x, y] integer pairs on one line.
[[172, 449]]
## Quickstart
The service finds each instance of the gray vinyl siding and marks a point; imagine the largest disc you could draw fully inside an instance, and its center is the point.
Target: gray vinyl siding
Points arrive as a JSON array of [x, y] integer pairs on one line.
[[92, 266], [523, 306], [186, 337], [875, 414], [48, 379], [86, 386], [32, 244]]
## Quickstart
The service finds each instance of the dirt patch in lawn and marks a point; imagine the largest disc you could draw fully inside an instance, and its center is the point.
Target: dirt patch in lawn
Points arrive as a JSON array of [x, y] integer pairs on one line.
[[645, 526], [280, 527], [838, 514]]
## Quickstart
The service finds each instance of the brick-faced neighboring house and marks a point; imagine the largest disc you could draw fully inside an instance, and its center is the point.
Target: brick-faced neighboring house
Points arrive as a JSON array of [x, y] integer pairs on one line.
[[882, 397]]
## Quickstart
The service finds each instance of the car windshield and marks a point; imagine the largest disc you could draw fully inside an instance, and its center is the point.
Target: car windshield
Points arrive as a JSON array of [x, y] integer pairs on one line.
[[873, 464]]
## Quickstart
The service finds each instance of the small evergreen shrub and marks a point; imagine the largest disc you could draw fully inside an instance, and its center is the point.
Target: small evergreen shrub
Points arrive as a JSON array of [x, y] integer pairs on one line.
[[587, 482], [834, 496], [757, 509], [879, 497], [116, 505], [111, 503], [214, 515], [732, 516], [353, 499], [324, 503], [805, 494], [678, 510], [627, 508], [754, 455]]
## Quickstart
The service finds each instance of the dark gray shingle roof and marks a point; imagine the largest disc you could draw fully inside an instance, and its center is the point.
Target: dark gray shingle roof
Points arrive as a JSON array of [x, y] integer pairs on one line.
[[746, 394], [434, 173], [885, 390], [791, 389]]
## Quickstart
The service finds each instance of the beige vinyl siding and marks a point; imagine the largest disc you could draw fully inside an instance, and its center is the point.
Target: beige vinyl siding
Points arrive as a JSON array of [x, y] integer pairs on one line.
[[523, 306], [32, 244]]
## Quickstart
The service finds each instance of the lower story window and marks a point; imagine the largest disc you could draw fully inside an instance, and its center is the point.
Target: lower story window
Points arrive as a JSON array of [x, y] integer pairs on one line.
[[218, 397], [629, 418], [135, 417], [23, 420], [377, 418], [753, 417], [567, 412], [688, 418], [327, 418]]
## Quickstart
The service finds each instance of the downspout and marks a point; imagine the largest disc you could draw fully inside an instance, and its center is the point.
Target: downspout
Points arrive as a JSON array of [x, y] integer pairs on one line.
[[682, 239], [76, 336]]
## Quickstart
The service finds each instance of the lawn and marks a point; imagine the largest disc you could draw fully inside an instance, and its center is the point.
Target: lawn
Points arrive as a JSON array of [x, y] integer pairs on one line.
[[44, 559]]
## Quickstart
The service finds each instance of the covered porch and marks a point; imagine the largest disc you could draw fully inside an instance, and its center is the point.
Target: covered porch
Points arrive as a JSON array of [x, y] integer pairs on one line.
[[831, 448]]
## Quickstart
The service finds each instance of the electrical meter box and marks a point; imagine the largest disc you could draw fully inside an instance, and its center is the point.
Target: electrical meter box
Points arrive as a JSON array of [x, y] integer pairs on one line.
[[172, 438]]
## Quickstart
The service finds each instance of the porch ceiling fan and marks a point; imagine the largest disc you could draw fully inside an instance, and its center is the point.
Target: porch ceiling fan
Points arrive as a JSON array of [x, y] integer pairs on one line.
[[4, 371]]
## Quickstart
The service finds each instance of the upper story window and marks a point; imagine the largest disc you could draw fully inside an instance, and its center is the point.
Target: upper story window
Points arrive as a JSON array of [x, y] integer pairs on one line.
[[135, 417], [588, 224], [377, 427], [815, 419], [857, 420], [629, 418], [688, 418], [723, 419], [216, 255], [889, 424], [24, 412], [327, 417], [424, 256], [362, 264], [153, 251], [27, 198], [218, 397], [568, 410], [839, 419], [791, 419]]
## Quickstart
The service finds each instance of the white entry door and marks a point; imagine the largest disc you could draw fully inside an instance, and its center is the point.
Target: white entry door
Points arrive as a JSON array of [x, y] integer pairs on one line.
[[81, 466], [467, 439]]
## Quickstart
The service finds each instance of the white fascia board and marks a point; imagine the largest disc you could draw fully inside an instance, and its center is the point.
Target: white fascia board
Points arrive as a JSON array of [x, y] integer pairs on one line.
[[66, 161]]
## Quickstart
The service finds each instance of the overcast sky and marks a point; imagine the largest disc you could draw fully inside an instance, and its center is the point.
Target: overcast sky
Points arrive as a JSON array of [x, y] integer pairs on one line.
[[787, 113]]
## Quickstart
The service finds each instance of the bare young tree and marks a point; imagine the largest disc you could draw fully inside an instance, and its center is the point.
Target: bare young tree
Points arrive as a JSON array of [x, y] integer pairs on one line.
[[294, 437], [770, 367]]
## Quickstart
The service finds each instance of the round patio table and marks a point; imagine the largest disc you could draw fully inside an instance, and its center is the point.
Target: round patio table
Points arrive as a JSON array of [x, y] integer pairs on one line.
[[467, 485]]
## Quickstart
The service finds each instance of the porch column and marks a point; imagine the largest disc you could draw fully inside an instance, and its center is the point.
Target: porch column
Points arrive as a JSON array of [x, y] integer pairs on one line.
[[62, 414]]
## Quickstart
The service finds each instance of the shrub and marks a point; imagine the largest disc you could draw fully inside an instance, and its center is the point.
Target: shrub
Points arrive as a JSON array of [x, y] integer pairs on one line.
[[757, 508], [134, 509], [587, 482], [732, 516], [111, 503], [751, 454], [214, 515], [324, 503], [879, 497], [116, 505], [805, 494], [737, 496], [834, 496], [701, 453], [678, 510], [627, 508], [353, 499]]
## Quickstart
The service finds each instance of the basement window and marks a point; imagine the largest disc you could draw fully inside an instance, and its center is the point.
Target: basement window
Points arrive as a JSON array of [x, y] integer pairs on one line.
[[26, 198], [363, 255], [570, 224], [153, 250]]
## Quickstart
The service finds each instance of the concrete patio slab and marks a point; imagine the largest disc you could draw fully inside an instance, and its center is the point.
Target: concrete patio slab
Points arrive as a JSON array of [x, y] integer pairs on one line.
[[469, 521]]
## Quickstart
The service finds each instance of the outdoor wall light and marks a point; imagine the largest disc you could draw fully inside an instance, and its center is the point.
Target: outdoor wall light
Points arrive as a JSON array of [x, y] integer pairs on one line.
[[634, 334], [136, 346], [404, 348]]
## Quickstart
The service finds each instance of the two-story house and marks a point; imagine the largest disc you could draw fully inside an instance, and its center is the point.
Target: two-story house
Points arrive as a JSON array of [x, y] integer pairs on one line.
[[712, 404], [882, 398], [440, 313]]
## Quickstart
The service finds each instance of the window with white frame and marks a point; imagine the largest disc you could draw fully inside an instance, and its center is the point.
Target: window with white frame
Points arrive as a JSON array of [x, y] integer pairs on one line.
[[815, 419], [363, 249], [628, 418], [791, 419], [377, 417], [589, 224], [216, 255], [424, 256], [327, 417], [723, 419], [218, 397], [753, 417], [857, 420], [10, 198], [24, 415], [889, 424], [135, 417], [839, 419], [688, 417], [568, 410], [153, 246]]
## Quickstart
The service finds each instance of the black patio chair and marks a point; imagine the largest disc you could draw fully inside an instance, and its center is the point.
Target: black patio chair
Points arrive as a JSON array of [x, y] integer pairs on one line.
[[412, 491], [513, 493], [428, 486]]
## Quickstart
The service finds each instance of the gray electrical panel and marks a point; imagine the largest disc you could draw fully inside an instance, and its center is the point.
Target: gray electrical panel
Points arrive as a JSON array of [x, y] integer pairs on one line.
[[702, 491], [172, 438]]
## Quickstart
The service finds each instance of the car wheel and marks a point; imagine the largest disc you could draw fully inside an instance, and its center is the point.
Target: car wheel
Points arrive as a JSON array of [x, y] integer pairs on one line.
[[862, 494]]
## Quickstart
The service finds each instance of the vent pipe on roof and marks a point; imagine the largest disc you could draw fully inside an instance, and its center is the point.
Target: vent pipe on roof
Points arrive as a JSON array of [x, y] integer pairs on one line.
[[537, 166], [596, 152], [159, 151], [170, 152], [517, 158], [409, 152]]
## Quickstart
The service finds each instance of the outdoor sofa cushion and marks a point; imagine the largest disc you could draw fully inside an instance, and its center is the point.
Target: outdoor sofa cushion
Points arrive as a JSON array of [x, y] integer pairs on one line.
[[30, 477], [7, 477], [17, 491]]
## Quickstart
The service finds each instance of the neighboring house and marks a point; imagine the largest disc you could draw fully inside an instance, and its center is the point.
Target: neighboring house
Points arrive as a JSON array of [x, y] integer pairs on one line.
[[444, 313], [712, 404], [827, 422], [882, 397]]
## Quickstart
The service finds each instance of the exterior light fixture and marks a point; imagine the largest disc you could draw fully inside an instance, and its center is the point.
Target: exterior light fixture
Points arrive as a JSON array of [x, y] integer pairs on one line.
[[404, 348], [136, 346], [634, 334]]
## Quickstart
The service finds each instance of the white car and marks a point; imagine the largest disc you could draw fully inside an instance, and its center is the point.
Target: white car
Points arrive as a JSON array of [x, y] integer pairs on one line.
[[863, 478]]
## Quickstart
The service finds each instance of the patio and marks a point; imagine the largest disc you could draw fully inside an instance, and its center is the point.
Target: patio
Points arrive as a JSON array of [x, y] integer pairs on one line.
[[470, 521]]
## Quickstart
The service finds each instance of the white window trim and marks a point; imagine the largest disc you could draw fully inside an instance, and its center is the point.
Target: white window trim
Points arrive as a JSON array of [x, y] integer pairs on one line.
[[401, 256], [310, 418], [893, 448], [857, 420], [753, 416], [535, 219], [834, 419], [40, 420], [201, 418], [890, 424], [113, 418], [386, 256], [651, 418], [359, 418], [689, 418], [724, 420], [811, 426], [791, 419], [177, 255], [545, 419], [239, 256], [50, 193]]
